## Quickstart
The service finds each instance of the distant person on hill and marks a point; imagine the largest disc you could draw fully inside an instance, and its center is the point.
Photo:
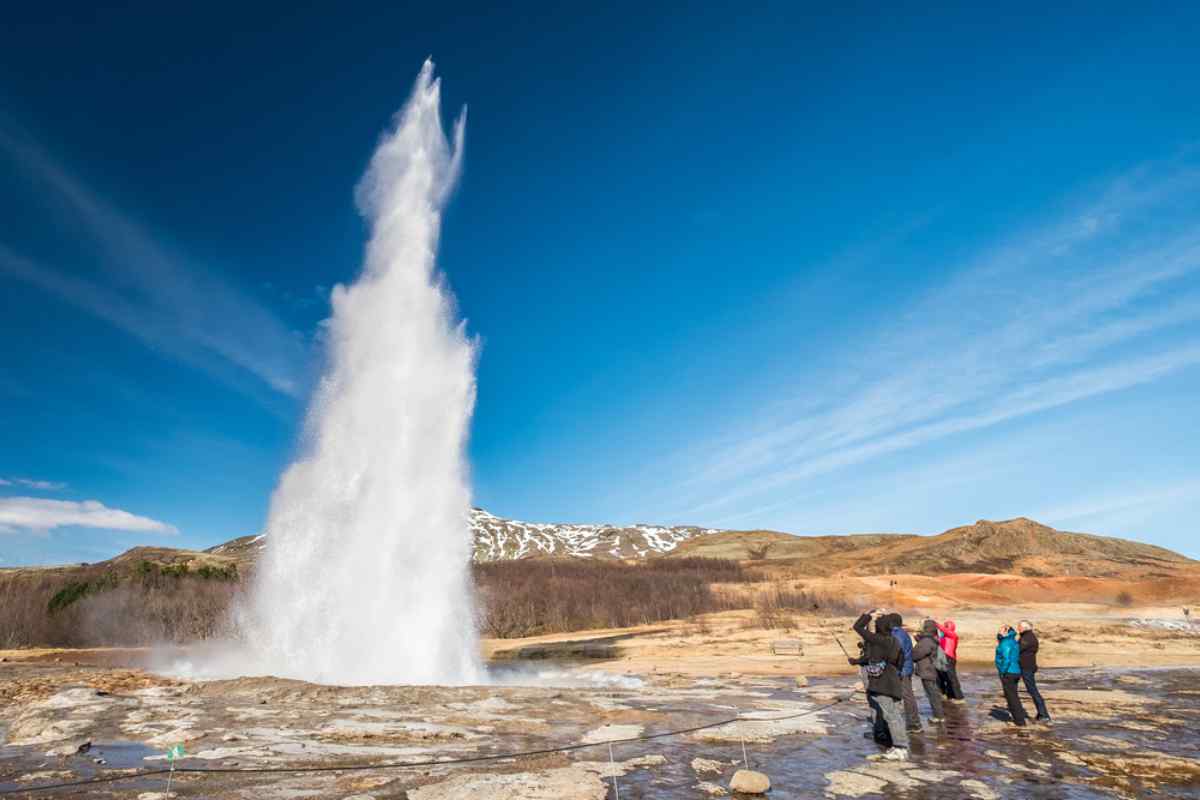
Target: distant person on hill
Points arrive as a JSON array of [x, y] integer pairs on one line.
[[948, 677], [1008, 664], [1028, 643], [925, 654], [883, 661], [912, 715]]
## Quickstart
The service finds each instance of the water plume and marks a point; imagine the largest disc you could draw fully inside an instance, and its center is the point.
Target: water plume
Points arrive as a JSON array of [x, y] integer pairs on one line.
[[365, 578]]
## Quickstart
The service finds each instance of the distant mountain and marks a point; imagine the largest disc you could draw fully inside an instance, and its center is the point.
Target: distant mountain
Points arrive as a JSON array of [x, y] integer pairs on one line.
[[500, 539], [1020, 546]]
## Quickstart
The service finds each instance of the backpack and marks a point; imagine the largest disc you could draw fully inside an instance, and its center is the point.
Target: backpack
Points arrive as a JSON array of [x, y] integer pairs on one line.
[[940, 662]]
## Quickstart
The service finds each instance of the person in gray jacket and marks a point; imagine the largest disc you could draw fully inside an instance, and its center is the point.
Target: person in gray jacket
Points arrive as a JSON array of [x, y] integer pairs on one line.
[[925, 666]]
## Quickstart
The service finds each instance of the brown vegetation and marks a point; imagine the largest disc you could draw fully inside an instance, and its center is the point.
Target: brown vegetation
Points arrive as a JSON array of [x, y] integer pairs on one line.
[[115, 604], [532, 597], [777, 606]]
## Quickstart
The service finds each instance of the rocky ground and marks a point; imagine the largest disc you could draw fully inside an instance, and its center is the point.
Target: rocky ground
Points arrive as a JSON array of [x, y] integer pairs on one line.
[[1075, 635], [1117, 733]]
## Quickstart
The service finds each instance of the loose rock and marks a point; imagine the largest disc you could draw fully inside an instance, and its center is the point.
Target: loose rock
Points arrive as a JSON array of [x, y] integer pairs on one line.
[[703, 765], [71, 748], [747, 781]]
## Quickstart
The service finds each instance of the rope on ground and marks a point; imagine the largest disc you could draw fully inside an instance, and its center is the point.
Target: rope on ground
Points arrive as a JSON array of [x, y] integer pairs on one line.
[[427, 763]]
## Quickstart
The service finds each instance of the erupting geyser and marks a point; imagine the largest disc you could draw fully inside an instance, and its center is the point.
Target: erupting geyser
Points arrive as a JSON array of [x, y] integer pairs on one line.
[[365, 576]]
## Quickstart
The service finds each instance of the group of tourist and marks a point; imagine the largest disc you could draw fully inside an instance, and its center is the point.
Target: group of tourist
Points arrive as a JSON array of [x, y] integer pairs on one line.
[[889, 658]]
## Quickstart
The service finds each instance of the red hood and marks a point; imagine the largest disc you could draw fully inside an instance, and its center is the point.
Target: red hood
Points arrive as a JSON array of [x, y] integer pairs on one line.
[[949, 625]]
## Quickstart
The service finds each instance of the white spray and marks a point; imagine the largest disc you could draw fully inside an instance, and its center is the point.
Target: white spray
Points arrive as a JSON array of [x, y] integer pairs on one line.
[[365, 576]]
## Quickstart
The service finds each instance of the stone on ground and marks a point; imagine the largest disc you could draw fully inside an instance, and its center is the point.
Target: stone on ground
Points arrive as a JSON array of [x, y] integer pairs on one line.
[[564, 783], [747, 781]]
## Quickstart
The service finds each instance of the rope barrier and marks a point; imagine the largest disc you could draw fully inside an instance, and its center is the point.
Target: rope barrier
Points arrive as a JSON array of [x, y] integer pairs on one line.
[[426, 763]]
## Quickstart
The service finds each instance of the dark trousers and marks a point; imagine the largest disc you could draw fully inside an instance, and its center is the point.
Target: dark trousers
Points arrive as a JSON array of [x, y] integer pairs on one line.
[[934, 695], [878, 724], [948, 680], [912, 715], [889, 720], [1009, 684], [1031, 686]]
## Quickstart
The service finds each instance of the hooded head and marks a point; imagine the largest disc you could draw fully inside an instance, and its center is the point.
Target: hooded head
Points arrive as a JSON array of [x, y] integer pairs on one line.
[[897, 620], [884, 625], [949, 625], [929, 628]]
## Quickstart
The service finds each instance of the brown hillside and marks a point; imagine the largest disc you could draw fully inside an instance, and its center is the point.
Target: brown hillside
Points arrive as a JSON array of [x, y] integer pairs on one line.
[[1019, 546], [810, 554]]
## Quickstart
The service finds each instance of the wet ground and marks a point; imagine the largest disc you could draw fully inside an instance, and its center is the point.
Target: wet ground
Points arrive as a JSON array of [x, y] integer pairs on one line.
[[1116, 734]]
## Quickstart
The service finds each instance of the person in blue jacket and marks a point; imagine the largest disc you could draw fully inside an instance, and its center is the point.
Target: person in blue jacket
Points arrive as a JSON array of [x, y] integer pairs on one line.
[[912, 715], [1008, 664]]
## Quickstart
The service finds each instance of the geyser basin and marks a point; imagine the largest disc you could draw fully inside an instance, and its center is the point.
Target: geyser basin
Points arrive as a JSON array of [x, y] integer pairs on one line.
[[365, 575]]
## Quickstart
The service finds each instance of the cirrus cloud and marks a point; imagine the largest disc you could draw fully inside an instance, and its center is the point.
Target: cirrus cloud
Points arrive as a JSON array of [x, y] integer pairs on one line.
[[39, 515], [30, 483]]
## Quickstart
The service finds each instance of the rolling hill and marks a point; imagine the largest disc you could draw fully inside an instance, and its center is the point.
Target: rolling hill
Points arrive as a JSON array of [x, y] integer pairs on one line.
[[1018, 546]]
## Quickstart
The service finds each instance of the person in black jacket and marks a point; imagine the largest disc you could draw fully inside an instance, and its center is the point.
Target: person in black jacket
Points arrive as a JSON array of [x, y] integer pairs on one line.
[[1029, 651], [883, 660]]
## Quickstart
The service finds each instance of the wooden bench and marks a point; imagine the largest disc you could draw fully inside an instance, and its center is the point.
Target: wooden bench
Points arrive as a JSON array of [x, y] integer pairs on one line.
[[787, 647]]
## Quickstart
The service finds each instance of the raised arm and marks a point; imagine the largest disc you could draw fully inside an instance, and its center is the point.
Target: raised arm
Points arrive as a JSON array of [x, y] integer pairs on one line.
[[949, 634]]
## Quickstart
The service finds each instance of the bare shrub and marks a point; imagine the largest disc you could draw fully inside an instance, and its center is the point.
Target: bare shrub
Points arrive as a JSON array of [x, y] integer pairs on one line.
[[776, 606], [758, 552], [768, 614], [147, 602], [91, 606], [527, 598]]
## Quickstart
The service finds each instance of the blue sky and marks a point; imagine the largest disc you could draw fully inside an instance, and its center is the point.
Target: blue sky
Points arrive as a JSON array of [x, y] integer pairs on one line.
[[775, 267]]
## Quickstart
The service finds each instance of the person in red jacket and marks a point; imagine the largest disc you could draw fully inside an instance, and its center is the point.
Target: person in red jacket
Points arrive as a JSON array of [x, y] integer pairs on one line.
[[948, 677]]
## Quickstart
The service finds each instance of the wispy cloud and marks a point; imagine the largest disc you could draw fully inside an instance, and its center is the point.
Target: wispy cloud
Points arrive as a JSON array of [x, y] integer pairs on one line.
[[1102, 300], [39, 515], [29, 483], [1113, 503], [171, 305]]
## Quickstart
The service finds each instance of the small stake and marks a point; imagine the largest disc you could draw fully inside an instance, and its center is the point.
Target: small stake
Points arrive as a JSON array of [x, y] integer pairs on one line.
[[613, 764], [172, 754]]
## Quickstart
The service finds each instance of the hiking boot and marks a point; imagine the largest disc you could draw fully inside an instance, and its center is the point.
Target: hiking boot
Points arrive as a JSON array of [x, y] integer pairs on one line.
[[936, 719], [1043, 720]]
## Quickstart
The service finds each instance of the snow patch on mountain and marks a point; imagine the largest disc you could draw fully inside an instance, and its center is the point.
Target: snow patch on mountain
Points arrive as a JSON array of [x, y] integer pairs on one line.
[[500, 539]]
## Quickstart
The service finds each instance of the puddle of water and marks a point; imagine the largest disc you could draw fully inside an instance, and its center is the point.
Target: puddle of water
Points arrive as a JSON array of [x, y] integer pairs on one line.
[[26, 760]]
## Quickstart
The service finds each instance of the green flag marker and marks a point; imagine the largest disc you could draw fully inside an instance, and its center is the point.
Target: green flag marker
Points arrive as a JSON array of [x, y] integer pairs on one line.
[[174, 753]]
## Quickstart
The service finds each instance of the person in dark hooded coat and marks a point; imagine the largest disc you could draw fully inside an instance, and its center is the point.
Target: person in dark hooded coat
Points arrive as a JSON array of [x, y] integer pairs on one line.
[[883, 661], [1027, 643], [925, 665]]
